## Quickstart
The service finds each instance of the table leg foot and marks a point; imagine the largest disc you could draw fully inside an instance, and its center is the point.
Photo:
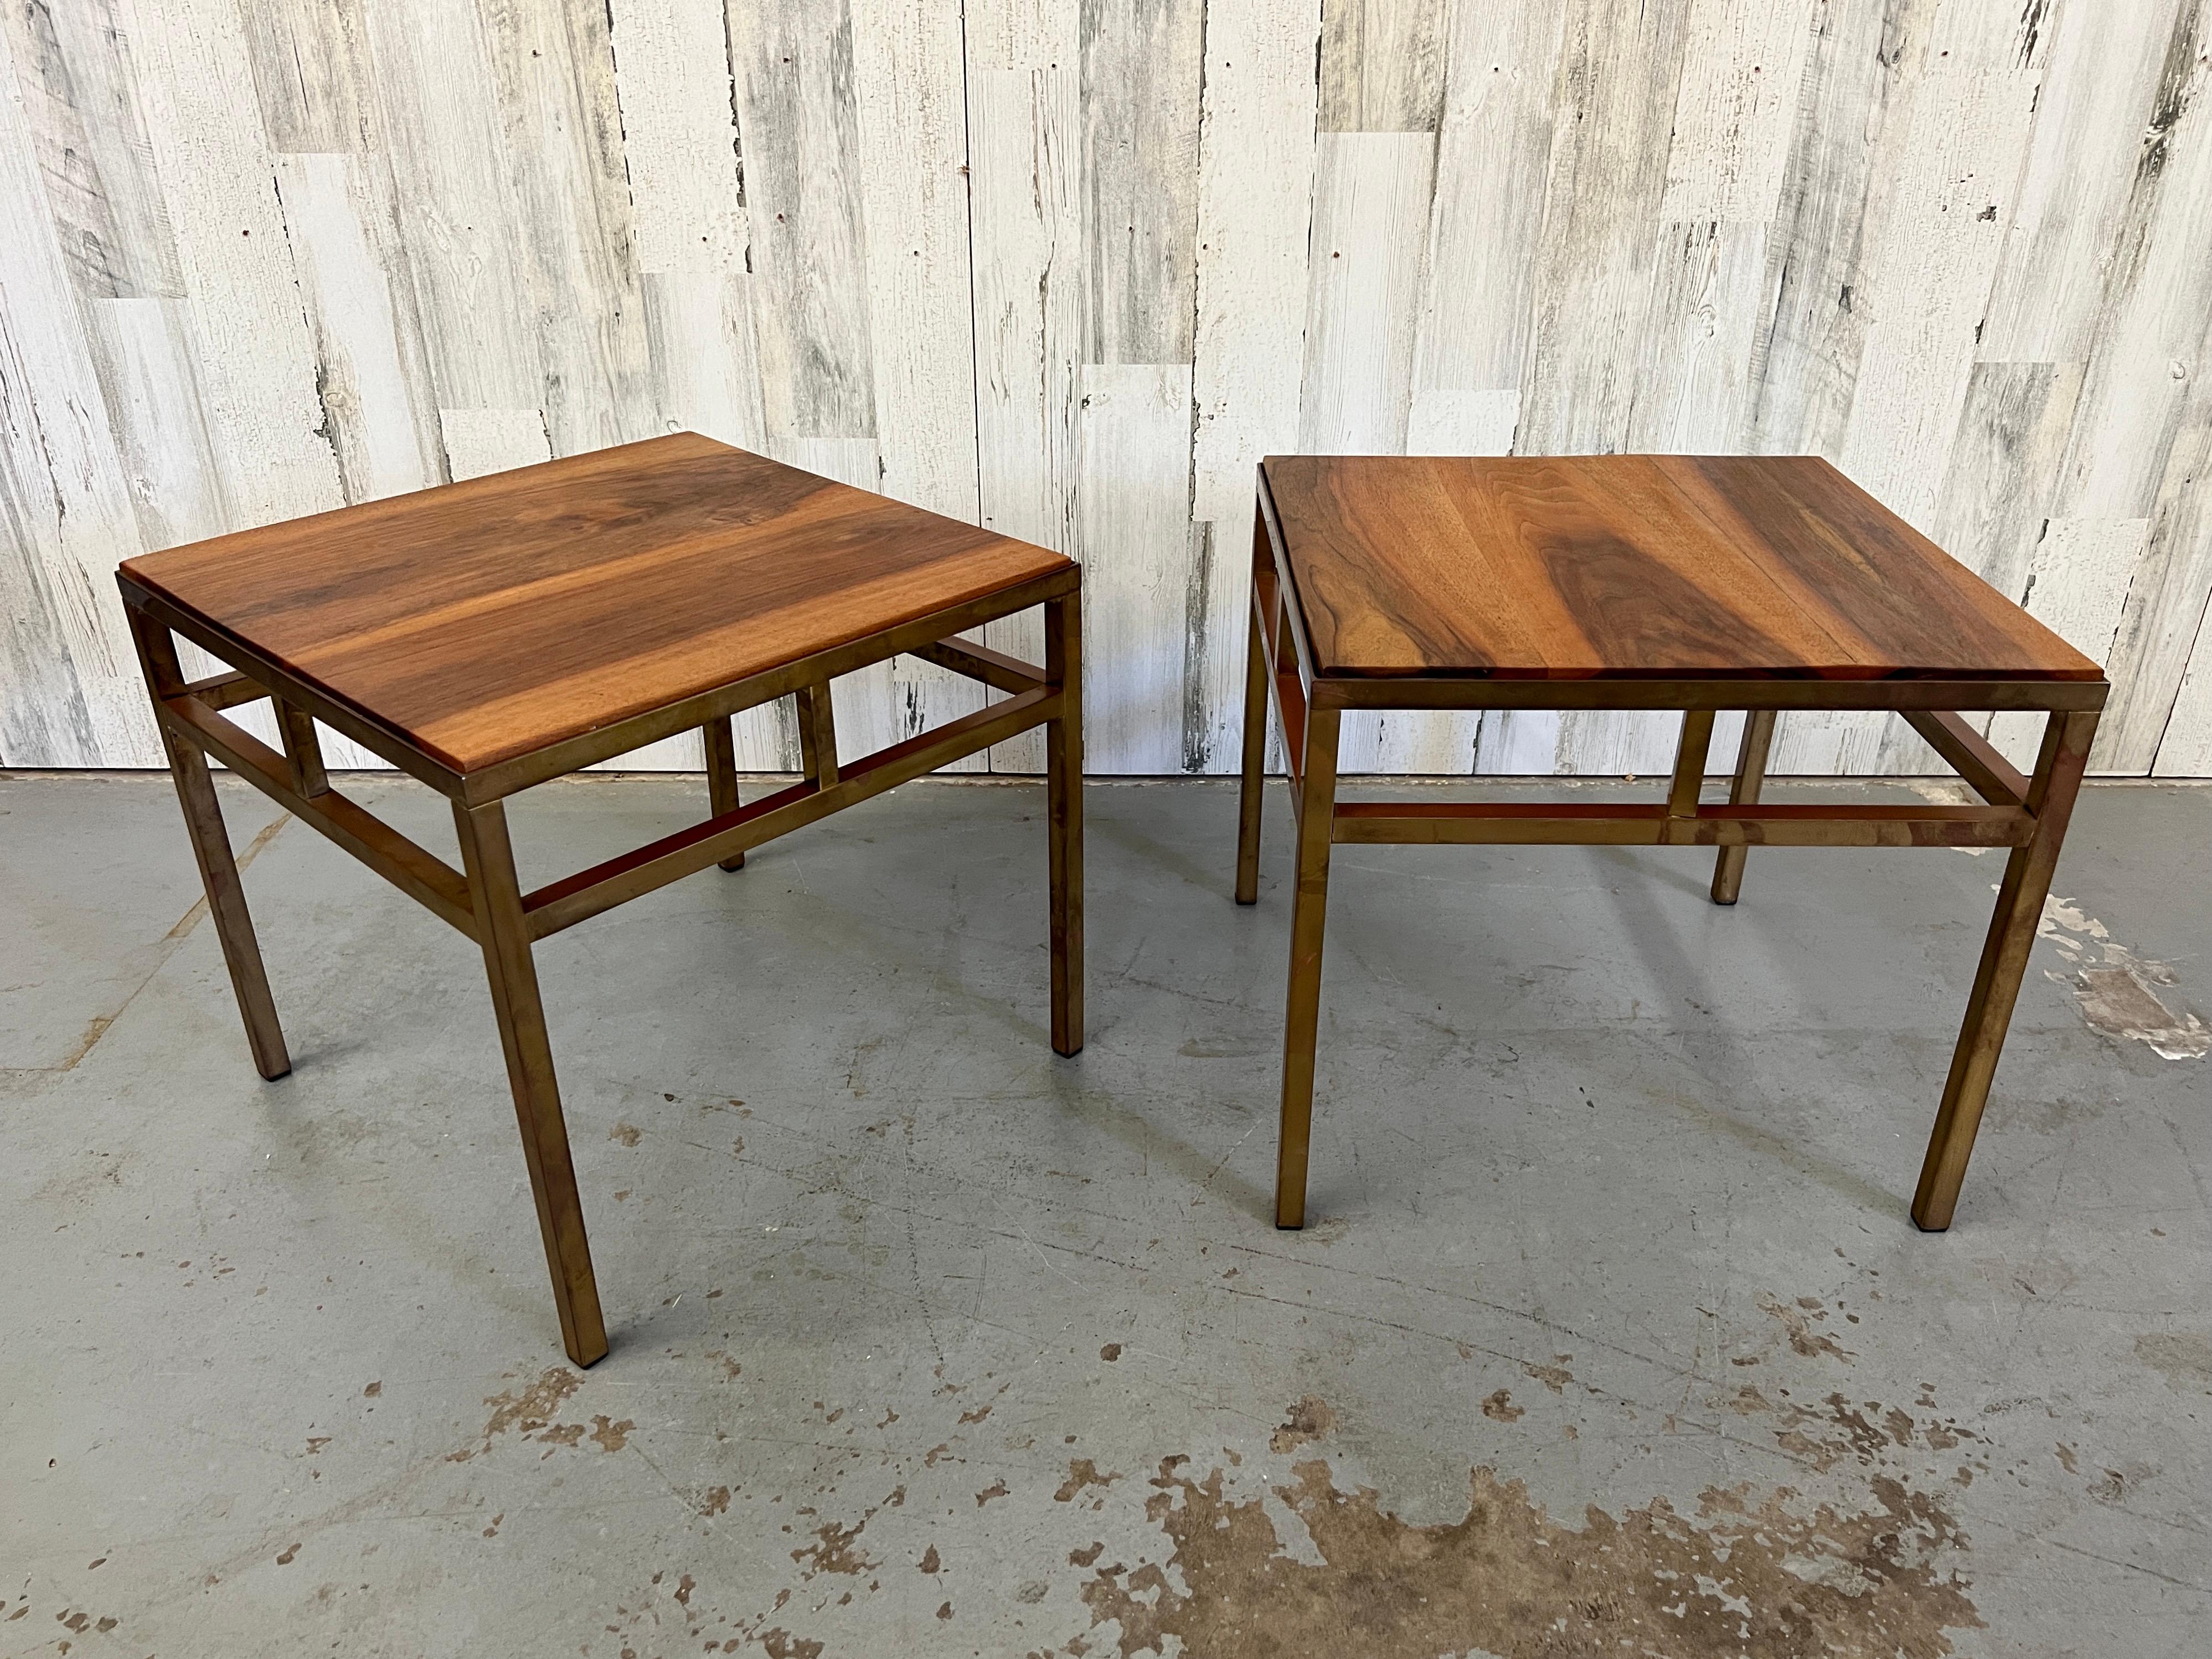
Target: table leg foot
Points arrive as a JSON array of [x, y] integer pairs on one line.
[[2012, 933], [488, 859]]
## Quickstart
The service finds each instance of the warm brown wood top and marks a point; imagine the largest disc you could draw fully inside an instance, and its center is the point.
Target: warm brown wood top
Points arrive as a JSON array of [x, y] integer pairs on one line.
[[488, 619], [1634, 566]]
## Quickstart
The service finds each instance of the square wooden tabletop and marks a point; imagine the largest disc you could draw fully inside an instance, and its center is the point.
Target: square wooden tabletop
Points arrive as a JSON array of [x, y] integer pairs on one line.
[[1633, 566], [492, 618]]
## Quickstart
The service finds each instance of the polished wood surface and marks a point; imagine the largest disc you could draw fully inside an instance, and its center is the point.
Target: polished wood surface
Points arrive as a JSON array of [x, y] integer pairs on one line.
[[488, 619], [497, 634], [1663, 583], [1632, 567]]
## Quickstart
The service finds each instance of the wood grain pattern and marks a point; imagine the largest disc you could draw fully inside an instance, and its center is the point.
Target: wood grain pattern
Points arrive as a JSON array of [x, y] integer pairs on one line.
[[266, 256], [488, 619], [1634, 566]]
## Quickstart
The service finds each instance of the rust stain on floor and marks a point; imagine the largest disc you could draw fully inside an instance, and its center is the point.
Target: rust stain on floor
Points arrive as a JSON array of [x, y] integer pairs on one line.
[[1755, 1579], [1306, 1422]]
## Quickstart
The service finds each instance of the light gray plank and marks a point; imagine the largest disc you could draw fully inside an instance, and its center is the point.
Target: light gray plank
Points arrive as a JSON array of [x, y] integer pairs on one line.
[[311, 73], [1025, 149], [552, 65], [2151, 648], [1382, 65], [1370, 219], [794, 78], [435, 104], [1742, 63], [1492, 152], [1996, 499], [358, 290], [1708, 284], [2186, 747], [484, 440], [1255, 207], [68, 690], [912, 130], [1462, 422], [680, 135], [1134, 531], [148, 363], [1613, 106], [1141, 69], [2105, 74], [1853, 105], [1937, 251], [78, 75]]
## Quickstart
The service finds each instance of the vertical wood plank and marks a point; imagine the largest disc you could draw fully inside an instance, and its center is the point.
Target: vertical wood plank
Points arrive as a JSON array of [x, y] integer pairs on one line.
[[66, 666], [2143, 423], [911, 122], [1694, 394], [1371, 220], [2184, 748], [1937, 257], [435, 104], [1255, 208], [77, 75], [912, 130], [1613, 103], [1025, 149], [2104, 78], [481, 440], [1735, 109], [1462, 422], [1141, 67], [1382, 65], [1132, 529], [553, 73], [373, 375], [267, 426], [794, 79], [1493, 148], [2151, 651], [1853, 112]]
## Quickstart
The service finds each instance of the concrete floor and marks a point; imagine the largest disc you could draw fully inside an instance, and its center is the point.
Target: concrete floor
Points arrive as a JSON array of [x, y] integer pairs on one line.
[[1613, 1335]]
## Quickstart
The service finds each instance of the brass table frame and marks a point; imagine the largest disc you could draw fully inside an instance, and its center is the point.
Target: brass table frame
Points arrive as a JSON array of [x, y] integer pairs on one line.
[[2027, 814], [484, 899]]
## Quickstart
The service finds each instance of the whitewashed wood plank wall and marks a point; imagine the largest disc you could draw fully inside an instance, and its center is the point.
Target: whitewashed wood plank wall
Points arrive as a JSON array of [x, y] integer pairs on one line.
[[1069, 267]]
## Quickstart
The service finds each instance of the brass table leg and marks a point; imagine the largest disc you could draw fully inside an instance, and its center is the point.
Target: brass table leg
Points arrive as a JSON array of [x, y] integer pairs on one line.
[[818, 735], [488, 859], [226, 894], [2059, 770], [1251, 791], [1316, 823], [1063, 746], [1750, 778], [722, 775]]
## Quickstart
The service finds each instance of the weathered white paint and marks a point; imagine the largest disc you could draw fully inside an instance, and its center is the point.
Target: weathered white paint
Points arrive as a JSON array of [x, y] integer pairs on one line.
[[1733, 116], [2185, 749], [265, 256], [2078, 583], [1132, 532], [482, 440]]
